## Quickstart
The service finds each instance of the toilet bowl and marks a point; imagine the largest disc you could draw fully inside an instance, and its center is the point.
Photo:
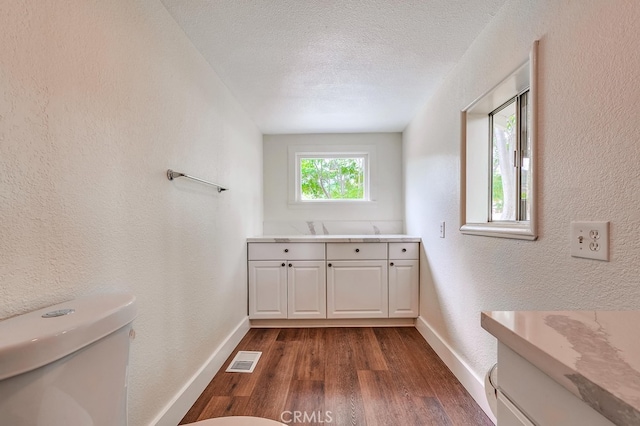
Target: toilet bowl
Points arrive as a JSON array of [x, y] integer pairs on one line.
[[49, 372]]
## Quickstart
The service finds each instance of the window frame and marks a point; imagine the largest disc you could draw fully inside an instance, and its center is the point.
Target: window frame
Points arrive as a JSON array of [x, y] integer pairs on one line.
[[476, 202], [366, 152]]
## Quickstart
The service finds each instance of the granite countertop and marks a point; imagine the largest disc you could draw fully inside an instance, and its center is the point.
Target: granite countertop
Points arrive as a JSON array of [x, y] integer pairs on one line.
[[593, 354], [334, 239]]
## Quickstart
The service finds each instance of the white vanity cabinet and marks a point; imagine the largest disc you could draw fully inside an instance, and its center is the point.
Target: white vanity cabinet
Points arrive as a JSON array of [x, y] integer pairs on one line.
[[572, 368], [287, 280], [527, 396], [357, 280], [348, 278], [404, 280]]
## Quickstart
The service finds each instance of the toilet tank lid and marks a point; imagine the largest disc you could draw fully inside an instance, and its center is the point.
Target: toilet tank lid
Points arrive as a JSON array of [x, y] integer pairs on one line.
[[30, 340]]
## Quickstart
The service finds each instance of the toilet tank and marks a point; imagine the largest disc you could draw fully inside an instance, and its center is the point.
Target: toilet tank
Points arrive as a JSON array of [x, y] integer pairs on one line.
[[67, 364]]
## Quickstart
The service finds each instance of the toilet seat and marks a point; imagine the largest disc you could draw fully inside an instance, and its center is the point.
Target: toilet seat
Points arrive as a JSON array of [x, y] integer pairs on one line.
[[237, 421]]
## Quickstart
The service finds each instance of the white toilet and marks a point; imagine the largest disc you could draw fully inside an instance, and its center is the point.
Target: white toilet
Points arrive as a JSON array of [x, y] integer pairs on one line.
[[67, 365]]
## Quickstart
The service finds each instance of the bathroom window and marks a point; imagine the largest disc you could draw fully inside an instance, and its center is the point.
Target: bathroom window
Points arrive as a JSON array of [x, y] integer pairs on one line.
[[510, 161], [330, 174], [497, 151], [332, 177]]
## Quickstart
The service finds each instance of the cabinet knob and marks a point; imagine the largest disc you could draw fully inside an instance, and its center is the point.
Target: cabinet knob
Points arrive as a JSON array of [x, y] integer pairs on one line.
[[391, 264], [286, 250], [404, 250], [329, 265], [290, 265], [357, 250], [283, 264]]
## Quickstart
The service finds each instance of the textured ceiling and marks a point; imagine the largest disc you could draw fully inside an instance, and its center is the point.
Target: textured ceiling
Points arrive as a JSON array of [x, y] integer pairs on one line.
[[322, 66]]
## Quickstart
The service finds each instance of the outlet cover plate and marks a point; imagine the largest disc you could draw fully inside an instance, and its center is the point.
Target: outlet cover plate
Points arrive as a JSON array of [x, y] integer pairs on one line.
[[590, 240]]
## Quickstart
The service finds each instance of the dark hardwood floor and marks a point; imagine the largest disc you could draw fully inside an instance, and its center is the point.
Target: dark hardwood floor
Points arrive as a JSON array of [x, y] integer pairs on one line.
[[341, 376]]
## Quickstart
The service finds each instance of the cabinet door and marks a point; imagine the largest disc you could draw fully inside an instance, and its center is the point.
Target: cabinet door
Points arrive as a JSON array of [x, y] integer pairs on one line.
[[267, 289], [307, 289], [403, 288], [357, 289]]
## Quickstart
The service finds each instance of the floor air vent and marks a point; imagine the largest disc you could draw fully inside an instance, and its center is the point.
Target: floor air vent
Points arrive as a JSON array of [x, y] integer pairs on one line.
[[244, 362]]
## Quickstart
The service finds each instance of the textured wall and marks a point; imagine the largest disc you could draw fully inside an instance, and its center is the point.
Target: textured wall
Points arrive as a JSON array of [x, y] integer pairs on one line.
[[97, 100], [588, 170], [382, 216]]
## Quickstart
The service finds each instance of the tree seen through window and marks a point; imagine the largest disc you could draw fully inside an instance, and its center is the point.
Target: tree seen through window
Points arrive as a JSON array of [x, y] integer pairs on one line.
[[332, 178]]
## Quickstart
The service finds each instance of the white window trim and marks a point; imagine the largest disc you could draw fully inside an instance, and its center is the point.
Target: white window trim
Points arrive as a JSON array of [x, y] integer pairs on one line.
[[368, 152], [509, 87]]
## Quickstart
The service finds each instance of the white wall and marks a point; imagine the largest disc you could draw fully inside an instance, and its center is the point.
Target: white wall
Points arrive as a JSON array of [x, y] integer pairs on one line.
[[588, 154], [97, 100], [384, 215]]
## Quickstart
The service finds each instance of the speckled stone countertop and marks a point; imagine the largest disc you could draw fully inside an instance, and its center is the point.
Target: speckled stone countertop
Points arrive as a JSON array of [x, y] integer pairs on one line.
[[593, 354], [334, 239]]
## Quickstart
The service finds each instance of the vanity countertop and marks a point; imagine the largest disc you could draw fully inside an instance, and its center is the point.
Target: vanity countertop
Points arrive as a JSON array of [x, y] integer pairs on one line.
[[334, 239], [593, 354]]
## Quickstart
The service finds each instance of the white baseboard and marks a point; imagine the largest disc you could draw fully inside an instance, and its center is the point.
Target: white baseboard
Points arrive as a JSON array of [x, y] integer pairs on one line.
[[467, 377], [175, 410], [345, 322]]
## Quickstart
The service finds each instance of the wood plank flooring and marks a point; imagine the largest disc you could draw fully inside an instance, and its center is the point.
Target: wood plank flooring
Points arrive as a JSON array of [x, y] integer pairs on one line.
[[341, 376]]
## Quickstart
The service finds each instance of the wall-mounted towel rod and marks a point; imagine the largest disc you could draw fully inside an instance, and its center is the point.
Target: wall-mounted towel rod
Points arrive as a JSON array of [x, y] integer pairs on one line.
[[172, 174]]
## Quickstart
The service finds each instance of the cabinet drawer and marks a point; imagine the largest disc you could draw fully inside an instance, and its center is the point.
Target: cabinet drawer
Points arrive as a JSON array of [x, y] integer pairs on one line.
[[356, 251], [286, 251], [404, 250]]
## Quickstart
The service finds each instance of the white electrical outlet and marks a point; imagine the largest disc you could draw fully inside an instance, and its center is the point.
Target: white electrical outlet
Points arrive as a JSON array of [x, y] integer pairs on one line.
[[590, 240], [441, 229]]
